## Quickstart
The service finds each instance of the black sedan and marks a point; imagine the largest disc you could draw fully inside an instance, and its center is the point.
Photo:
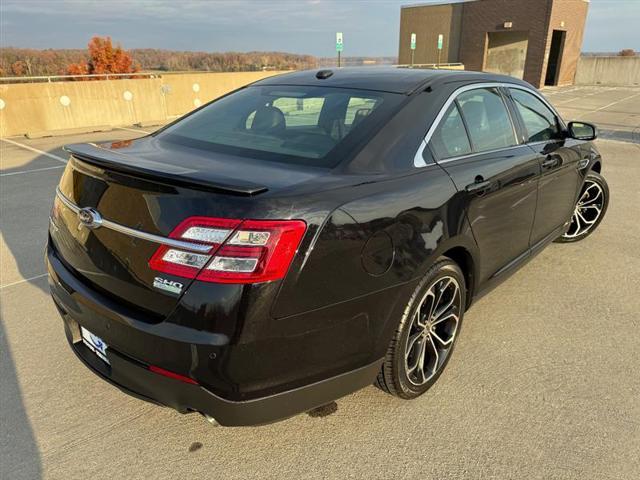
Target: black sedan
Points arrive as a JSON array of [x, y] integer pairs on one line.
[[311, 234]]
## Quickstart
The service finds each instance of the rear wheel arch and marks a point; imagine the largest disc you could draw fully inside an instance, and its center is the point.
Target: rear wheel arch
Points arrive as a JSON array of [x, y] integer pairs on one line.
[[463, 250], [465, 261], [394, 375]]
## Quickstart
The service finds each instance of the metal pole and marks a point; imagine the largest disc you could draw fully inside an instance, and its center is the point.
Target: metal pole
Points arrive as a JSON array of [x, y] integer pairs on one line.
[[439, 52], [338, 59], [412, 52]]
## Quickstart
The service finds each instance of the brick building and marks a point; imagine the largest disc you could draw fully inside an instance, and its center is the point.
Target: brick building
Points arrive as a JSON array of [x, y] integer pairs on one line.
[[536, 40]]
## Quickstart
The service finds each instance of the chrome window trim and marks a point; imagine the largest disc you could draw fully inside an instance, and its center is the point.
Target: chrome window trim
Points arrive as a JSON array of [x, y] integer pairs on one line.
[[561, 123], [475, 154], [418, 160], [540, 142], [171, 242], [538, 95]]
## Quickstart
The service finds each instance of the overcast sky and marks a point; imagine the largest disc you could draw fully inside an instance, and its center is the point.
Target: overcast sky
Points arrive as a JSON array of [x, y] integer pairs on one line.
[[300, 26]]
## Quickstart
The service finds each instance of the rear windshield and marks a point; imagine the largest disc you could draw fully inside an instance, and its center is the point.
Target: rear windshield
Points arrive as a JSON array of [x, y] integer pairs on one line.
[[306, 125]]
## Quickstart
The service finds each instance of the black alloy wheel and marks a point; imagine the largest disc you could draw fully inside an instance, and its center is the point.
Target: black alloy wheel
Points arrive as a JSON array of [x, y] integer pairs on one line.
[[590, 208], [425, 338]]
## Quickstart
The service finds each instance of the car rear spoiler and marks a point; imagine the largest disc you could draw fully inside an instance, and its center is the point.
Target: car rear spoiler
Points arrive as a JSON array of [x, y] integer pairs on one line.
[[159, 172]]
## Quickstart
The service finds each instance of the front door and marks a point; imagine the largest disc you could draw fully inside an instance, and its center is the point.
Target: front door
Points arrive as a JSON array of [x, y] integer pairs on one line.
[[559, 160], [477, 145]]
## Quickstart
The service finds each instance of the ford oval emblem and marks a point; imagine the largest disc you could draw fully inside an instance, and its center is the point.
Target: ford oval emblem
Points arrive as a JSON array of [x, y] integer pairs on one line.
[[89, 217]]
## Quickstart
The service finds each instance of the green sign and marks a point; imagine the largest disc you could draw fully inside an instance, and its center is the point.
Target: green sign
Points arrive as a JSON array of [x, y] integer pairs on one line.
[[440, 40], [413, 41], [339, 45]]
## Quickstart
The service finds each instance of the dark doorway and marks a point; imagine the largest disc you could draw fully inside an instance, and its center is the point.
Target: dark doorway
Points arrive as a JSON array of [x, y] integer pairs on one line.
[[555, 57]]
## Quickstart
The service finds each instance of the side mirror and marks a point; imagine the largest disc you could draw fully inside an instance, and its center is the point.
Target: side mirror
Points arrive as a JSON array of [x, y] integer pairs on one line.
[[582, 131]]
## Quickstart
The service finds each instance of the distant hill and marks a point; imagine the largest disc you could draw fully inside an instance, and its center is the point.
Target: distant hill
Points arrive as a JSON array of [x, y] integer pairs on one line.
[[167, 60], [31, 62]]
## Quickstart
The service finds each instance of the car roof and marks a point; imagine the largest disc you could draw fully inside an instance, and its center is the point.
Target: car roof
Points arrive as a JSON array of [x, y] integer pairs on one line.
[[387, 79]]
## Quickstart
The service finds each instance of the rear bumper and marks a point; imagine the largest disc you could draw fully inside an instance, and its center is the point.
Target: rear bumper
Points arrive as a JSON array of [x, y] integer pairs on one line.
[[78, 307], [135, 379]]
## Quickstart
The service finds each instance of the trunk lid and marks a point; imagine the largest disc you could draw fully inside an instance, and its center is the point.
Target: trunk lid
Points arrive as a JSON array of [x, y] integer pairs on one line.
[[150, 188]]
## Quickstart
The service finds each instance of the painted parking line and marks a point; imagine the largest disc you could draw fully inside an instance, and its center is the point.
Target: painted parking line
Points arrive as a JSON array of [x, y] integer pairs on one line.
[[133, 130], [556, 92], [35, 150], [20, 172], [562, 102], [613, 103], [24, 280]]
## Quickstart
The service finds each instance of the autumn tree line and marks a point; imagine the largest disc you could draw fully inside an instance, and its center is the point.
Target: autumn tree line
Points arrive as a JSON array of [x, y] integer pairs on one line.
[[102, 56]]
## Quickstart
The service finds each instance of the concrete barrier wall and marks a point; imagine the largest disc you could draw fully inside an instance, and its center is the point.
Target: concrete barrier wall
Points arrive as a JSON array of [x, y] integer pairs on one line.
[[37, 107], [184, 92], [608, 71]]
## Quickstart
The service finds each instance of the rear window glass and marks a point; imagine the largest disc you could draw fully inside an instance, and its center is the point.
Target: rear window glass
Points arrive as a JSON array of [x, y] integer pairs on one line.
[[358, 109], [450, 138], [303, 125], [487, 119]]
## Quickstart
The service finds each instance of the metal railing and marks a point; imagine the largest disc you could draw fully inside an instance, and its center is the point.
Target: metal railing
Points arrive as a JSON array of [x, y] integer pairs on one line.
[[113, 76], [66, 78], [430, 65]]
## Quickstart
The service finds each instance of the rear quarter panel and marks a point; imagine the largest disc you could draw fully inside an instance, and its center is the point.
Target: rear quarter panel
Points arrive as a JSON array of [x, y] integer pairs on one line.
[[370, 253]]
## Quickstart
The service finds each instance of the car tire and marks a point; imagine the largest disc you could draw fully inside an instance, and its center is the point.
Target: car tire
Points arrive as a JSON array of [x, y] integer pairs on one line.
[[590, 209], [427, 332]]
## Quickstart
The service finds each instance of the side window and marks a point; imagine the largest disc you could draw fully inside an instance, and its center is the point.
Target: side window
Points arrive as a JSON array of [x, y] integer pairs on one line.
[[539, 121], [450, 137], [487, 119]]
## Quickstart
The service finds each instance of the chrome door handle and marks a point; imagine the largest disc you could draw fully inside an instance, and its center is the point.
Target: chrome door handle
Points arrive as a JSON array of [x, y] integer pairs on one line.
[[479, 187], [550, 162]]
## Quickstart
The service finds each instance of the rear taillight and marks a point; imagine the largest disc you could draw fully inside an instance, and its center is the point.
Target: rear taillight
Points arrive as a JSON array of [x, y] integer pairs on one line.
[[202, 230], [248, 251], [258, 251]]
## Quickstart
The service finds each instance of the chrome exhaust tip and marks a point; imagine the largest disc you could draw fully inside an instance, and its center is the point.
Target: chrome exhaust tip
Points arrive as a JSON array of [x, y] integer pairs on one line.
[[210, 419]]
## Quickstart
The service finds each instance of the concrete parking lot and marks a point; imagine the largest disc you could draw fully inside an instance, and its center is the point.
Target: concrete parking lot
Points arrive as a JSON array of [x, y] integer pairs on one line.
[[616, 110], [544, 382]]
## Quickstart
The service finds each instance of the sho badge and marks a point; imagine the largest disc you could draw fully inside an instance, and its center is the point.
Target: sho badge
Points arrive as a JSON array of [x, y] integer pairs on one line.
[[168, 285]]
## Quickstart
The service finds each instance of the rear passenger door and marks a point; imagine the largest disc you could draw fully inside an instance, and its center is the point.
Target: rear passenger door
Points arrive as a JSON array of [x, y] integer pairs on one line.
[[477, 144], [559, 158]]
